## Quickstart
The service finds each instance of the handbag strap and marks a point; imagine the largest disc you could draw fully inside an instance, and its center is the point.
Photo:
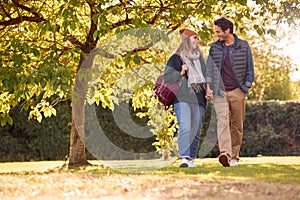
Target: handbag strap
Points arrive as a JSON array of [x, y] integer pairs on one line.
[[182, 77]]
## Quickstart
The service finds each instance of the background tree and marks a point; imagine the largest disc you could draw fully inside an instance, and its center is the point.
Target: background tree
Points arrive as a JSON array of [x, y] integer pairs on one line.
[[272, 69], [44, 45]]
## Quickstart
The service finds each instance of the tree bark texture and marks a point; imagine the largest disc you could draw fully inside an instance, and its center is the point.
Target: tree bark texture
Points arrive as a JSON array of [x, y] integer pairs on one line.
[[77, 154]]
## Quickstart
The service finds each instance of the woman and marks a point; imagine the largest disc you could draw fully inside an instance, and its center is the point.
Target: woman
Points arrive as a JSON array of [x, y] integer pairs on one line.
[[190, 102]]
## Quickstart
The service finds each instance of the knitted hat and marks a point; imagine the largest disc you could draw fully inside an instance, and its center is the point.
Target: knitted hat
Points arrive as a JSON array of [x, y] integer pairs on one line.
[[185, 33]]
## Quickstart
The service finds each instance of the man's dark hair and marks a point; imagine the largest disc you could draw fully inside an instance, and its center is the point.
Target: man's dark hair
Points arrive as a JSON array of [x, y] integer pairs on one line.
[[224, 24]]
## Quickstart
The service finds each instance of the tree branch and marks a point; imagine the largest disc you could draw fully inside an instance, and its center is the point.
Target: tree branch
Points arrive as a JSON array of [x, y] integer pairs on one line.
[[12, 21], [6, 14], [90, 42], [25, 8], [20, 19]]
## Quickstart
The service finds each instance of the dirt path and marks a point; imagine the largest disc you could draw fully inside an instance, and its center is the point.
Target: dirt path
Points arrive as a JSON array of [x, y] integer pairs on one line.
[[136, 187]]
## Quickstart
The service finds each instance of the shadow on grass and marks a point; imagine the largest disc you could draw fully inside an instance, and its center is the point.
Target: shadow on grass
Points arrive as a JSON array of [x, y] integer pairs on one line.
[[287, 174], [284, 170]]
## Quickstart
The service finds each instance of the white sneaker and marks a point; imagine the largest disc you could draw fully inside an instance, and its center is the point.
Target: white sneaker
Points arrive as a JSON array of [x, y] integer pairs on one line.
[[184, 162], [191, 163], [233, 163]]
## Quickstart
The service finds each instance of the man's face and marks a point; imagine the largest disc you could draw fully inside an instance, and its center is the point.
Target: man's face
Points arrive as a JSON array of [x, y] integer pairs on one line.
[[221, 34]]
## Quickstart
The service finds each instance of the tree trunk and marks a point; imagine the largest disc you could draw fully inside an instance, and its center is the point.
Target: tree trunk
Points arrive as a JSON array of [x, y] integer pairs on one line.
[[77, 156]]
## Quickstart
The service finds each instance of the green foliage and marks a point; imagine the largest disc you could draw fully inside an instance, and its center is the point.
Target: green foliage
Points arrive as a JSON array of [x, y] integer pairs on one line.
[[49, 140], [30, 140], [164, 123], [272, 69], [296, 91], [99, 143], [43, 41], [271, 128]]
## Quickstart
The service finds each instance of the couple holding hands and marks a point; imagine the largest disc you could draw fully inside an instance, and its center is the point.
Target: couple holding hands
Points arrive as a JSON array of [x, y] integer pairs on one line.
[[224, 78]]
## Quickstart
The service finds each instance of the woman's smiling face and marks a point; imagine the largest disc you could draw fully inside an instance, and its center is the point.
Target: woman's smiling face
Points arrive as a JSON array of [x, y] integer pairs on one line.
[[194, 39]]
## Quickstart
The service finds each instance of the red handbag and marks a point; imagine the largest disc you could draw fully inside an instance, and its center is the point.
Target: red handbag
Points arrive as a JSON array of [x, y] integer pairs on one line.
[[166, 92]]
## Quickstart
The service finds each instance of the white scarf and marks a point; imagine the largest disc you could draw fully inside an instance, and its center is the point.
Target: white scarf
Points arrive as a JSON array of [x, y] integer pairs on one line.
[[195, 74]]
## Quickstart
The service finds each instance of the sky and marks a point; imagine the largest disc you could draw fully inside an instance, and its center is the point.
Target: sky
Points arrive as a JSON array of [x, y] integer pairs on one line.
[[292, 48], [294, 51]]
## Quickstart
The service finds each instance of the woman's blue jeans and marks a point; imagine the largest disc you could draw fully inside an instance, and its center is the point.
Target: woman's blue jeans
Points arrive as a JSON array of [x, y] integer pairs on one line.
[[190, 119]]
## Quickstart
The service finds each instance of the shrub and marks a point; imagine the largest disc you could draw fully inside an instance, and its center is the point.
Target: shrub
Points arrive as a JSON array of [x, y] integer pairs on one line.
[[271, 128]]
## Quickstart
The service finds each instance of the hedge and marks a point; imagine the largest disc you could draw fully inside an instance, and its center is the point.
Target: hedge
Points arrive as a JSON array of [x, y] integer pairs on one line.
[[29, 140], [271, 128]]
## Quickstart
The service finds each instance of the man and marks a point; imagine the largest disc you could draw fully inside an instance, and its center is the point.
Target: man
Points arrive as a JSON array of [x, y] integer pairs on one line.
[[230, 73]]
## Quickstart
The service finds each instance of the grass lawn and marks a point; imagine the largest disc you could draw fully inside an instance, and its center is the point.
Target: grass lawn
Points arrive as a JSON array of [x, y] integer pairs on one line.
[[255, 178], [272, 169], [285, 169]]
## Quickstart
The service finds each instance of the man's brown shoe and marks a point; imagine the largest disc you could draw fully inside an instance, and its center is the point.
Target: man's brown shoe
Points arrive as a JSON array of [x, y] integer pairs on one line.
[[224, 159]]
